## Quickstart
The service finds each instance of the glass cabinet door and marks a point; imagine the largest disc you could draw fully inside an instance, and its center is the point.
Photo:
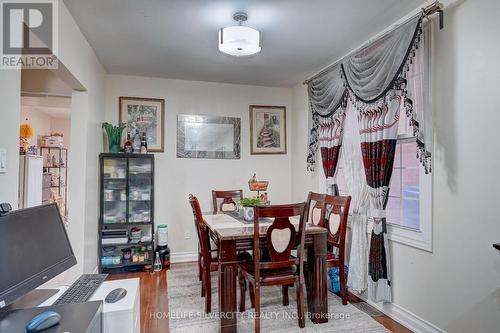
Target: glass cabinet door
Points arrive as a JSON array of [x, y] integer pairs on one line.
[[114, 190], [139, 179]]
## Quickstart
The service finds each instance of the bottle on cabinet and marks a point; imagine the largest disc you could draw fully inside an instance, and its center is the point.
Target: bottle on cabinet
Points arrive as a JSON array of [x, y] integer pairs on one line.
[[128, 145], [144, 144], [137, 143]]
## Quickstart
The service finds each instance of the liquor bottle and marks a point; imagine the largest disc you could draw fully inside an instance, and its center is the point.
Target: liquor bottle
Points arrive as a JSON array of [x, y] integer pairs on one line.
[[137, 143], [144, 144], [128, 145]]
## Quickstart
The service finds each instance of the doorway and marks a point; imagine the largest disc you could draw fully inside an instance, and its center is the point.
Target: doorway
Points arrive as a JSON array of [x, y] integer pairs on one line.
[[45, 140]]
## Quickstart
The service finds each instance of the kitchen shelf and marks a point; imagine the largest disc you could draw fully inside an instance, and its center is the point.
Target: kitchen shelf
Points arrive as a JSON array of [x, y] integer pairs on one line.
[[60, 172]]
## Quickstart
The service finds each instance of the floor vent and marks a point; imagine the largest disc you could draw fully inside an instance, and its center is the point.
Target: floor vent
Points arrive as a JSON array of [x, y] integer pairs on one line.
[[368, 309]]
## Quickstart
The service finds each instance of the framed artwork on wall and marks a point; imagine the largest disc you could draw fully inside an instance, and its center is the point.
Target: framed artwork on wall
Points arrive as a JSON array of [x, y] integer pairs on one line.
[[267, 129], [144, 115]]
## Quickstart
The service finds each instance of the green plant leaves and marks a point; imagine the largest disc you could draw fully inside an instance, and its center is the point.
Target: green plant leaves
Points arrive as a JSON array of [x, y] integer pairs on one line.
[[250, 202]]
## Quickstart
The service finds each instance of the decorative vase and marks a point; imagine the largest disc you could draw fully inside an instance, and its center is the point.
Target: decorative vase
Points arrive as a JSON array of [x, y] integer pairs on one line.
[[114, 136], [248, 213], [114, 147]]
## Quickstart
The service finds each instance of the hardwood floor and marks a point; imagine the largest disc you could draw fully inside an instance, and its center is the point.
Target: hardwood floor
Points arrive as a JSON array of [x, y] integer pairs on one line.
[[154, 298], [154, 303], [383, 319]]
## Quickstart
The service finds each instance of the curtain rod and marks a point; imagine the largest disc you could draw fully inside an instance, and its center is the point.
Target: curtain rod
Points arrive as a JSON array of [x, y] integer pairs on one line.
[[433, 8]]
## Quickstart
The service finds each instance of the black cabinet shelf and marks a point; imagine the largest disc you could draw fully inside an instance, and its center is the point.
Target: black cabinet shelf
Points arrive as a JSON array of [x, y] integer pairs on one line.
[[129, 244], [123, 177], [128, 263], [122, 224]]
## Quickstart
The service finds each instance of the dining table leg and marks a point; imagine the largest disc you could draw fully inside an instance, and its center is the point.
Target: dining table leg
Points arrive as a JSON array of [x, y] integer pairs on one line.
[[228, 271], [317, 290]]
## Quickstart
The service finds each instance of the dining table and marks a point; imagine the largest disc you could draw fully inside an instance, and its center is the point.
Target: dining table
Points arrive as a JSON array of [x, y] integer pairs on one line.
[[233, 234]]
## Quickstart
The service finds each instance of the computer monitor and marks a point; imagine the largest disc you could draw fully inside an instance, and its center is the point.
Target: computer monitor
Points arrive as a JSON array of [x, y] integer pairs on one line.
[[34, 248]]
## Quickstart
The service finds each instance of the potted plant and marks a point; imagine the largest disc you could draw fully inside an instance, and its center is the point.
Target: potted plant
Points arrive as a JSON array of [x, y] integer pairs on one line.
[[247, 205]]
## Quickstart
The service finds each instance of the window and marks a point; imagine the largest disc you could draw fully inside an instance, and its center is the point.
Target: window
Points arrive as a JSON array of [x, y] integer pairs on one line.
[[403, 205], [409, 207]]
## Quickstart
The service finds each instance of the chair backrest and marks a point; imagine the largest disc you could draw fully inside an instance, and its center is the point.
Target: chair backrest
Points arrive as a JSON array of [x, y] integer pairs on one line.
[[316, 204], [222, 199], [201, 229], [281, 236], [330, 212], [335, 221]]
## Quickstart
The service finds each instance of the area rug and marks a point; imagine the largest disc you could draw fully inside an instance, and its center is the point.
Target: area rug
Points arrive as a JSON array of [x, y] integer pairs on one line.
[[186, 309]]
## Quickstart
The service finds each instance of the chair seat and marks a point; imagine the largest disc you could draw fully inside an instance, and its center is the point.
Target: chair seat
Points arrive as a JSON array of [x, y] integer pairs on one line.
[[214, 262], [331, 256], [242, 256], [268, 276], [211, 250]]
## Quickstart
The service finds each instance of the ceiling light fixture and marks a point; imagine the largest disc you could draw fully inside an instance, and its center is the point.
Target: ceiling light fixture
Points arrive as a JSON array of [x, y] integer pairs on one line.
[[239, 40]]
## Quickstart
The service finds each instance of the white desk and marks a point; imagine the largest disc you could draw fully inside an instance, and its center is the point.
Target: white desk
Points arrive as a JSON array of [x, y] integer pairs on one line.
[[120, 317]]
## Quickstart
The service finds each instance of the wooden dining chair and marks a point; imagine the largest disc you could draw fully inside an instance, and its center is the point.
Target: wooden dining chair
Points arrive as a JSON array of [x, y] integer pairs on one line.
[[281, 268], [331, 212], [222, 199], [208, 258]]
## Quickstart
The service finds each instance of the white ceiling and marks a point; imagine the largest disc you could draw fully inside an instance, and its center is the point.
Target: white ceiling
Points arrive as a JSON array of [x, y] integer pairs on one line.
[[178, 38]]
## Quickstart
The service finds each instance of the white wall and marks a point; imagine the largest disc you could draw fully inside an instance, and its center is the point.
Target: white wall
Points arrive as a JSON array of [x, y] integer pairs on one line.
[[81, 69], [63, 126], [302, 181], [41, 123], [457, 287], [43, 81], [177, 177], [460, 280], [10, 105], [86, 144], [44, 124]]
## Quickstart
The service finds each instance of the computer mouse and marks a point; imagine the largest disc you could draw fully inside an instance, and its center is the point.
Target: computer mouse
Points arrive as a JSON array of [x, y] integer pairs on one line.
[[115, 295], [42, 321]]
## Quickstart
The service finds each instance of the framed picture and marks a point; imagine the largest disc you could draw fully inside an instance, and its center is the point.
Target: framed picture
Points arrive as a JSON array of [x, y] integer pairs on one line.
[[144, 115], [267, 129]]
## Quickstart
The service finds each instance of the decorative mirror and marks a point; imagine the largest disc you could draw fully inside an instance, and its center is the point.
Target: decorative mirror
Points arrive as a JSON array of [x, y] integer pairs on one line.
[[208, 137]]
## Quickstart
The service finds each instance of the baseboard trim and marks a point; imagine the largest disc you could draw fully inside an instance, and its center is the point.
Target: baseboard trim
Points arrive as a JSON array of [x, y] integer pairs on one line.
[[404, 317], [189, 256]]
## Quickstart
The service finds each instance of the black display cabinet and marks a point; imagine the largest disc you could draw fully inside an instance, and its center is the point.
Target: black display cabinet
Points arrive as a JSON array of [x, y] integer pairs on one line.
[[126, 219]]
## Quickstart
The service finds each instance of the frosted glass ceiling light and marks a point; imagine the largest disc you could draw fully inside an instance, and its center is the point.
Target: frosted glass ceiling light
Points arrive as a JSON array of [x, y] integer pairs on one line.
[[239, 40]]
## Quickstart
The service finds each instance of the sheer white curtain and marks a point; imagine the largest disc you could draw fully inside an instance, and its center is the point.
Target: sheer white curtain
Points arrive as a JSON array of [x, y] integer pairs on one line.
[[352, 167], [419, 93]]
